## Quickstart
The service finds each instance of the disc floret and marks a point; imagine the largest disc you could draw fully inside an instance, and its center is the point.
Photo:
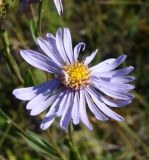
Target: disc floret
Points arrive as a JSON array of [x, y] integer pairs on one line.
[[76, 76]]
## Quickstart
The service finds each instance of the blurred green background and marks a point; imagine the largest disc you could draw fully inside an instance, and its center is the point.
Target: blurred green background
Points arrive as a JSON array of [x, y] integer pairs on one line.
[[114, 27]]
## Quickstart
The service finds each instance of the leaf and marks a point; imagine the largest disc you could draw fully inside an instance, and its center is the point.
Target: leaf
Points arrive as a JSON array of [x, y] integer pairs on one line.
[[29, 78], [10, 60], [73, 152], [38, 143], [34, 31]]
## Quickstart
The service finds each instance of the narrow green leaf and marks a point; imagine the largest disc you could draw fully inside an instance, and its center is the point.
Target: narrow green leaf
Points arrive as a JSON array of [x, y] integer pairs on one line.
[[10, 61], [34, 30], [38, 143], [73, 152], [29, 78]]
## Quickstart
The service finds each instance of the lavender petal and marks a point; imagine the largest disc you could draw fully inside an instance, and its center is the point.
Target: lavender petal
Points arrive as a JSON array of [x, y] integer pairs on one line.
[[31, 92], [59, 6], [91, 57], [68, 44], [75, 109], [82, 110], [77, 50], [60, 45], [104, 108], [51, 114], [39, 61], [99, 115], [66, 115], [45, 46], [115, 73]]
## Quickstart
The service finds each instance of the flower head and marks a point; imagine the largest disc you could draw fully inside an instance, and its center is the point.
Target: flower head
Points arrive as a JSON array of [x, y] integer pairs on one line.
[[58, 4], [75, 85]]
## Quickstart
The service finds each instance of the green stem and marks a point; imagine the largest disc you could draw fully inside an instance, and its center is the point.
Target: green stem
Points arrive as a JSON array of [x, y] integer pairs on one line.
[[70, 133], [9, 58], [12, 122], [5, 135], [61, 155], [73, 149], [32, 12], [40, 16]]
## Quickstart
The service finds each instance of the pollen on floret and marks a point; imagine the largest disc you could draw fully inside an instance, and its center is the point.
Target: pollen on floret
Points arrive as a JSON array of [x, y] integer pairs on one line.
[[77, 74]]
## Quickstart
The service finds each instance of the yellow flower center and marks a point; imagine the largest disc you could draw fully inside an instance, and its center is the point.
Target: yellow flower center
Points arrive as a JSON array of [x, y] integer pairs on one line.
[[77, 76]]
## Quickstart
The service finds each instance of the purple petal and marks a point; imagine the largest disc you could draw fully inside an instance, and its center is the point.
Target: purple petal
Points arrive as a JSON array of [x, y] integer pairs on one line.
[[82, 110], [51, 38], [47, 121], [75, 109], [77, 50], [62, 104], [99, 115], [103, 107], [59, 6], [117, 95], [68, 44], [66, 115], [51, 114], [52, 43], [39, 61], [110, 66], [115, 73], [44, 103], [124, 79], [111, 102], [100, 67], [120, 80], [30, 92], [91, 57], [112, 86], [40, 98], [46, 47], [115, 103], [60, 45]]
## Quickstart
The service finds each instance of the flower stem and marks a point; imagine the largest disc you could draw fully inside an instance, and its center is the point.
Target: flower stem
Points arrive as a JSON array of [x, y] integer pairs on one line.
[[57, 149], [10, 61], [32, 12], [40, 16], [70, 133], [12, 122], [73, 149]]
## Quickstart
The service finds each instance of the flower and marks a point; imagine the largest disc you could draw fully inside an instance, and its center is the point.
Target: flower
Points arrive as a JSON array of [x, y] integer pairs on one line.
[[58, 4], [75, 85]]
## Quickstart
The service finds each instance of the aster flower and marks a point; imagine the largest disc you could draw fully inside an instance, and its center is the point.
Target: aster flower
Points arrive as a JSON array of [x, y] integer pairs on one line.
[[58, 4], [75, 85]]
